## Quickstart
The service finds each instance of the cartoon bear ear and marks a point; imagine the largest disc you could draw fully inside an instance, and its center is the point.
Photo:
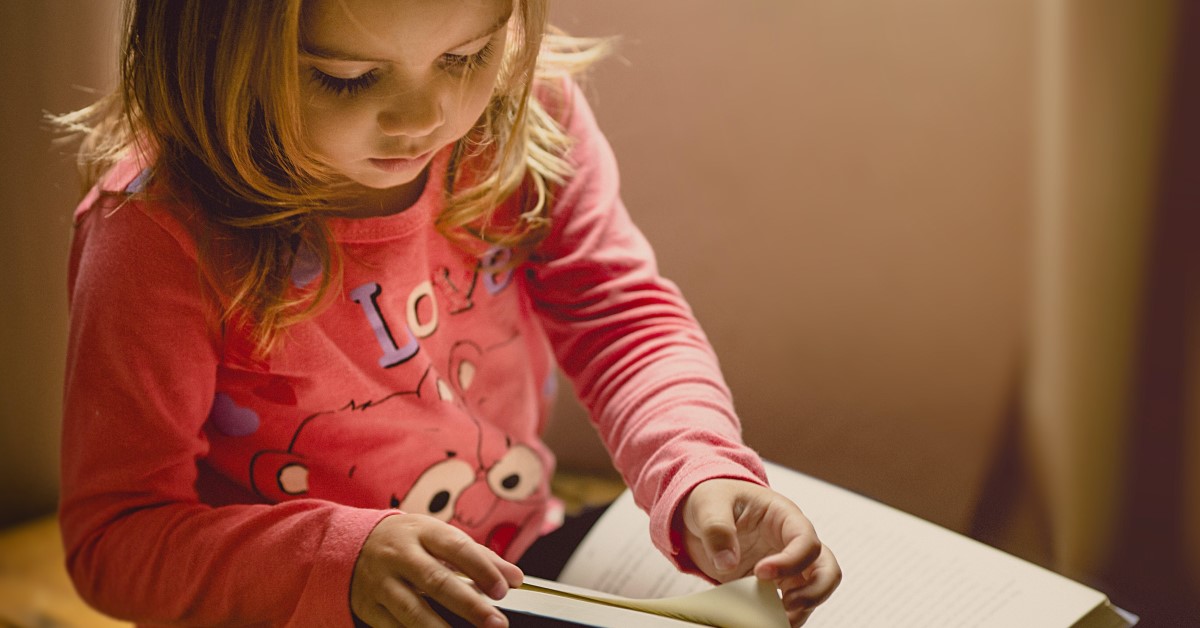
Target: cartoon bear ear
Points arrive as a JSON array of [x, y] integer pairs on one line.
[[278, 475], [445, 393], [293, 479]]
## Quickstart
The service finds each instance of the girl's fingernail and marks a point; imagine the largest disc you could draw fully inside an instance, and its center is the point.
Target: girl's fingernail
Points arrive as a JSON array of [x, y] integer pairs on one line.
[[496, 621], [725, 560]]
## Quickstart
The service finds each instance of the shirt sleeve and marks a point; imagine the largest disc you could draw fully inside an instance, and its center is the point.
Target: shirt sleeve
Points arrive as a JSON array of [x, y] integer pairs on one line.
[[140, 376], [626, 338]]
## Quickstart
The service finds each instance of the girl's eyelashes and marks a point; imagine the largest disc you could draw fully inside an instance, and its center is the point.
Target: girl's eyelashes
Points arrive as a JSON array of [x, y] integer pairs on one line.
[[467, 63], [343, 86], [452, 63]]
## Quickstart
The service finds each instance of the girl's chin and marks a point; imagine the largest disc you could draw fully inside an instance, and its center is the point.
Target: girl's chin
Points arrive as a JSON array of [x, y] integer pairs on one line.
[[376, 197], [369, 179], [377, 183]]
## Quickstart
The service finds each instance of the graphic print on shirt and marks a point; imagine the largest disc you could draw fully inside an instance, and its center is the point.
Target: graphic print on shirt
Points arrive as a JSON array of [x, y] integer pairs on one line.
[[421, 322], [435, 446], [393, 354], [231, 419], [491, 269], [464, 370], [381, 454]]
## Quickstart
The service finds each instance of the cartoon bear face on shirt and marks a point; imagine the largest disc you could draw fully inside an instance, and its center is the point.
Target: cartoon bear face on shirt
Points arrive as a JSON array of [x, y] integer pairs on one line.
[[445, 464]]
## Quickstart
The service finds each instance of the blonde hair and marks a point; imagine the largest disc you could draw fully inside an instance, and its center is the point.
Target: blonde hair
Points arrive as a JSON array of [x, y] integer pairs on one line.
[[210, 88]]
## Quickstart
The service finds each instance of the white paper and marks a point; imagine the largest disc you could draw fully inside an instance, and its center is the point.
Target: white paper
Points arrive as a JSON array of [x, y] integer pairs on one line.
[[899, 571], [744, 603], [581, 612]]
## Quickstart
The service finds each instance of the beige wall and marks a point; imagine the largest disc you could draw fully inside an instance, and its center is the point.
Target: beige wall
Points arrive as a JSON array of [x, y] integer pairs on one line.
[[51, 52], [842, 189]]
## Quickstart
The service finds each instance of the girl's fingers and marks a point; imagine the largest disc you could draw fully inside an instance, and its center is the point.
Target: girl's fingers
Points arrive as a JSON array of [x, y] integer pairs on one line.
[[798, 617], [793, 560], [809, 590], [405, 607], [512, 573], [378, 616], [492, 574], [440, 583], [709, 516], [410, 560], [801, 550]]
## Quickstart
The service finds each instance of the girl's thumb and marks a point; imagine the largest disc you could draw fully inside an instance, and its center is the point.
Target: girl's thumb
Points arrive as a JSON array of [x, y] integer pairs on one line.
[[718, 533]]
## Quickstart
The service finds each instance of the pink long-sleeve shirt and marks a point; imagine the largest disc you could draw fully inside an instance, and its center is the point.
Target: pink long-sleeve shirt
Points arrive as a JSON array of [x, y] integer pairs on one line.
[[204, 485]]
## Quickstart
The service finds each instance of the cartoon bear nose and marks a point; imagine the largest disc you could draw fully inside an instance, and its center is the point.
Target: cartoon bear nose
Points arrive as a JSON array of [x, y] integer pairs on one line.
[[475, 503]]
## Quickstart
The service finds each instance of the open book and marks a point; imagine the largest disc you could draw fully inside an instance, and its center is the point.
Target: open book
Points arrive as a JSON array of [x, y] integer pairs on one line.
[[899, 571]]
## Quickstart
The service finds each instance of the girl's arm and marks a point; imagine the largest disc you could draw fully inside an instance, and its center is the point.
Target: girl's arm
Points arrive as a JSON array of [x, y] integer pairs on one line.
[[139, 385], [648, 375], [629, 342]]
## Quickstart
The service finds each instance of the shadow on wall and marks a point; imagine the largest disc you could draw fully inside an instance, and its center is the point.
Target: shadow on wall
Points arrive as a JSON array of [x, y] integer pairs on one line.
[[56, 55]]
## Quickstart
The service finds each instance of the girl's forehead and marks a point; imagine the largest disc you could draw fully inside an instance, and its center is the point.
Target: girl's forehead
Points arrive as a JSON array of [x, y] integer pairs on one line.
[[389, 29]]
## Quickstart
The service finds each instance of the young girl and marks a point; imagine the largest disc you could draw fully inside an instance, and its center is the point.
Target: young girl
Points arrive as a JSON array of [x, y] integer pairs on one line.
[[332, 252]]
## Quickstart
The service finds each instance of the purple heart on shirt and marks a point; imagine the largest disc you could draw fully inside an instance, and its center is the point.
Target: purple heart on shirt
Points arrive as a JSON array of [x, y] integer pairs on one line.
[[306, 267], [231, 419], [550, 386]]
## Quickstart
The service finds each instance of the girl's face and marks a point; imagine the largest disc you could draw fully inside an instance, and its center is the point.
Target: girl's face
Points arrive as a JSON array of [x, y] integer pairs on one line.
[[385, 84]]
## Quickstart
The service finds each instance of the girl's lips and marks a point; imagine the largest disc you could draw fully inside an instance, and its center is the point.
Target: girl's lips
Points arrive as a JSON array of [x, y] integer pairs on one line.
[[399, 164]]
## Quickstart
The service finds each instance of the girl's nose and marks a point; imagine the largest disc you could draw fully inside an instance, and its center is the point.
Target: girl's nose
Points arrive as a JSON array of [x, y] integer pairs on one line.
[[413, 113]]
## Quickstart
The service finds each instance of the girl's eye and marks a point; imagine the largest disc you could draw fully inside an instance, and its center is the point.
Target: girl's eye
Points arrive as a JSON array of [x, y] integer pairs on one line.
[[467, 63], [343, 86]]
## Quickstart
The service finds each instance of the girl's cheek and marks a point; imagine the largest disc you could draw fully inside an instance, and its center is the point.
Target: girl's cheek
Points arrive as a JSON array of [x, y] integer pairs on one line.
[[479, 91], [325, 119]]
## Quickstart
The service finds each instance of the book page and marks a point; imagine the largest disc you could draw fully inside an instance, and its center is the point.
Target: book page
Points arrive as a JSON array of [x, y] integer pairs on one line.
[[744, 603], [899, 570], [578, 611]]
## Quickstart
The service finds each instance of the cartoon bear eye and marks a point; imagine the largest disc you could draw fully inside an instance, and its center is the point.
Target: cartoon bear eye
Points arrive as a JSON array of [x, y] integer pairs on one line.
[[435, 492], [517, 475]]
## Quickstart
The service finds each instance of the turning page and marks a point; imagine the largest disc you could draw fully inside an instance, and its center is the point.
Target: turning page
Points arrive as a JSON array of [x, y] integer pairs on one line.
[[744, 603], [899, 570]]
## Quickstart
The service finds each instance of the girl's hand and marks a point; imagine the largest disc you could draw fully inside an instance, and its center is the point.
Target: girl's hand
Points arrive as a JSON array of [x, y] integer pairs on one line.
[[733, 528], [406, 556]]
